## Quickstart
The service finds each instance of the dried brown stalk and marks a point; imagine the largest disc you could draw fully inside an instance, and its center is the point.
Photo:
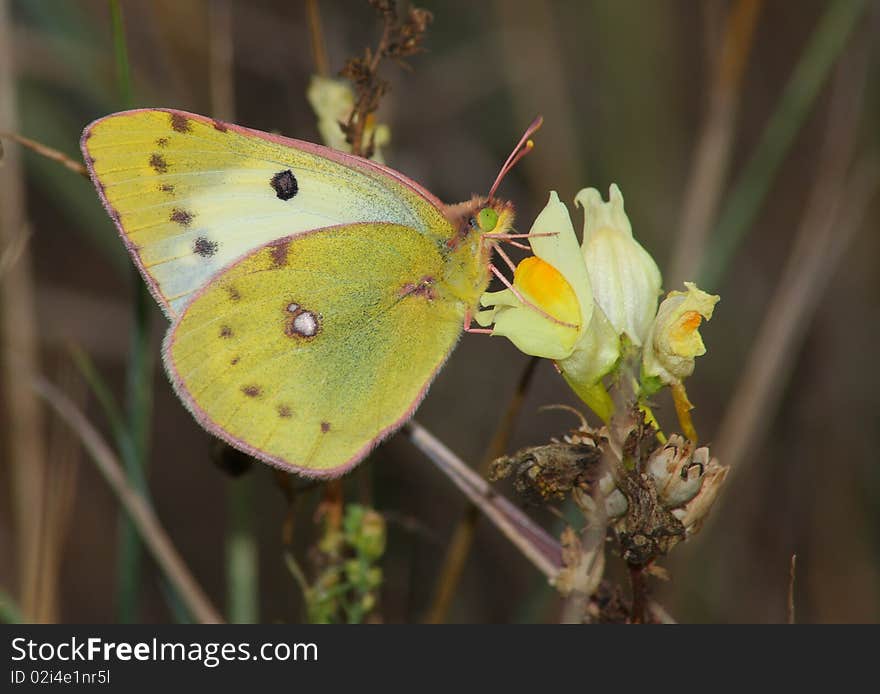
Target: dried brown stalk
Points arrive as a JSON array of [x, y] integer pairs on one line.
[[832, 216], [48, 152], [316, 34], [64, 456], [141, 513], [532, 540], [19, 353], [462, 540], [402, 37], [711, 160], [221, 47]]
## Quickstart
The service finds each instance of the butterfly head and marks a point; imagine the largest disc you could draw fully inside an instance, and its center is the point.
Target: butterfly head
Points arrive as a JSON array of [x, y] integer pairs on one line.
[[489, 215], [479, 216]]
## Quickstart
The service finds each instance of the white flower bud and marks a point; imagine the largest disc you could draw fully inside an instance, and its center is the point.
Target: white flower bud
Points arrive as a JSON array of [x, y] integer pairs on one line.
[[625, 279], [674, 339]]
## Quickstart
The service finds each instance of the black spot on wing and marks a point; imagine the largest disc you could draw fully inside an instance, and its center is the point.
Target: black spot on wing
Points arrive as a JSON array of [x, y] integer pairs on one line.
[[279, 253], [180, 123], [157, 161], [285, 184], [182, 217], [204, 247]]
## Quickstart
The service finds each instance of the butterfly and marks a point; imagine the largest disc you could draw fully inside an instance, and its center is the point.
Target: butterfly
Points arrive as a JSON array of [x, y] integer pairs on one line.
[[313, 295]]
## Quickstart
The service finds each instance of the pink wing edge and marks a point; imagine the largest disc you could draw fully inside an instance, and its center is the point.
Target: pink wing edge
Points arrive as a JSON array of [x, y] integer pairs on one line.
[[317, 150], [215, 429]]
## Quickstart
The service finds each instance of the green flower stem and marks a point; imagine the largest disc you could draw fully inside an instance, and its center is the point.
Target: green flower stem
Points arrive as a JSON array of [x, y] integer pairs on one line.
[[596, 397]]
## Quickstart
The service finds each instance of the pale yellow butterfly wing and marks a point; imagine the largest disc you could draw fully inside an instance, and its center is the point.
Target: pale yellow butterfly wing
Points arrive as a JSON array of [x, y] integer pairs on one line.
[[190, 195], [308, 351]]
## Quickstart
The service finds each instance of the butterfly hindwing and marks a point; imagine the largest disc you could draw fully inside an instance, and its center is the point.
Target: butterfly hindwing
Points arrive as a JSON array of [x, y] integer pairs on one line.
[[310, 349], [190, 194]]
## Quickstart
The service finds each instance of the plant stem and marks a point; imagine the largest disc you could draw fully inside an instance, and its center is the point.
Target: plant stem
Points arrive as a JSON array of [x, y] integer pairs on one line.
[[241, 551], [46, 151], [138, 379], [316, 34], [24, 431], [9, 611], [242, 567], [639, 593], [833, 214], [683, 409], [463, 536], [135, 504], [711, 158], [528, 537], [744, 202]]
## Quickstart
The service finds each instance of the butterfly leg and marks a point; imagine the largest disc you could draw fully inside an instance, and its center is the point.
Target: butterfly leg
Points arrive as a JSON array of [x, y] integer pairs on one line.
[[477, 331], [504, 257], [508, 237], [493, 239]]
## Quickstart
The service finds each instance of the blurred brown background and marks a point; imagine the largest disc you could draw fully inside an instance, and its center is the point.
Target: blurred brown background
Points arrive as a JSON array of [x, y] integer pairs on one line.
[[626, 89]]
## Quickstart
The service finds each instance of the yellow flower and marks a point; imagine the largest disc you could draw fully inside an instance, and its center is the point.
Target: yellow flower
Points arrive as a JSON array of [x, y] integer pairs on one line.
[[624, 277], [674, 339], [332, 101], [559, 319]]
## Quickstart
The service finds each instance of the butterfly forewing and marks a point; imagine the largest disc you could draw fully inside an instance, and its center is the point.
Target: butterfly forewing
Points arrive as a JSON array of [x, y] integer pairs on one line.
[[190, 195], [312, 348]]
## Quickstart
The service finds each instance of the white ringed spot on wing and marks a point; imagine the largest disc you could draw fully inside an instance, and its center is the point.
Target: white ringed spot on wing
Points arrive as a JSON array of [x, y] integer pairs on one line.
[[299, 322]]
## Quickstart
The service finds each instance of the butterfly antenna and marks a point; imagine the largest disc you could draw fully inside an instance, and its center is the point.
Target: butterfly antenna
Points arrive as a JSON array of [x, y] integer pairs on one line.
[[523, 147]]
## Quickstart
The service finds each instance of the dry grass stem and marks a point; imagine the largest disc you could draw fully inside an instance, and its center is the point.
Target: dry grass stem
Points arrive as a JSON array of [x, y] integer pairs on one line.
[[25, 452], [711, 160], [64, 457], [831, 218], [46, 151], [137, 507], [316, 34], [220, 63], [402, 36], [462, 540], [533, 541]]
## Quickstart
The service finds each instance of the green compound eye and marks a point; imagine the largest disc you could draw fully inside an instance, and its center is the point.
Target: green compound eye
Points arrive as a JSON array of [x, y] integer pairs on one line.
[[487, 219]]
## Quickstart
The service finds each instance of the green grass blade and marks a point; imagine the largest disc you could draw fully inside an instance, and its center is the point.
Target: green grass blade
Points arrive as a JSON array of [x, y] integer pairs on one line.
[[811, 72], [138, 380], [9, 612], [242, 577]]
